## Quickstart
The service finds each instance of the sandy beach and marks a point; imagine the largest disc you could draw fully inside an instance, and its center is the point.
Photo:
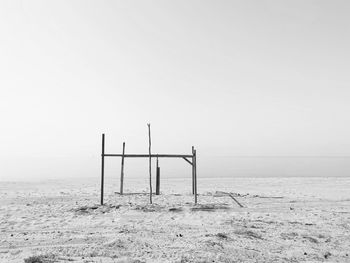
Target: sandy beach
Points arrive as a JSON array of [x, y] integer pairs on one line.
[[283, 220]]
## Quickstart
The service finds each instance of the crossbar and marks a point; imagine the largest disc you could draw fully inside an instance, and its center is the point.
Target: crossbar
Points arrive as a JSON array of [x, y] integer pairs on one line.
[[147, 155]]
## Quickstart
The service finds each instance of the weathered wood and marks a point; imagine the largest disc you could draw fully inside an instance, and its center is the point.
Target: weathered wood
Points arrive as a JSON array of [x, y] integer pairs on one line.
[[195, 177], [150, 162], [158, 179], [147, 155], [102, 166], [192, 170], [235, 200], [122, 171], [187, 160], [186, 157], [231, 195]]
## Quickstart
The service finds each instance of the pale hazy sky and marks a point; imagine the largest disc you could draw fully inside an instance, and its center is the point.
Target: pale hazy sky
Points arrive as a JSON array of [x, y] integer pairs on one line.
[[233, 78]]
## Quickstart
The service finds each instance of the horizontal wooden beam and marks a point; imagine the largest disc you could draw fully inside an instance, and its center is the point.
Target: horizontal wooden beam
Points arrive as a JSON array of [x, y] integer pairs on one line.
[[147, 155]]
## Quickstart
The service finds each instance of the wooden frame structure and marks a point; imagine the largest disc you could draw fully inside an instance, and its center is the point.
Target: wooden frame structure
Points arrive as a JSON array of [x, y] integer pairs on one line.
[[189, 158]]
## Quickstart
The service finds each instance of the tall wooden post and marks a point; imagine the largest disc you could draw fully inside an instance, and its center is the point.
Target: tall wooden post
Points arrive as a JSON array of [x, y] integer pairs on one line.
[[195, 176], [122, 171], [192, 170], [102, 166], [150, 162], [158, 179]]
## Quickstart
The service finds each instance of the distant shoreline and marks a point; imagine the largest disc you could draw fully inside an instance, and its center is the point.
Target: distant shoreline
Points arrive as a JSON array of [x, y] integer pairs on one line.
[[75, 179]]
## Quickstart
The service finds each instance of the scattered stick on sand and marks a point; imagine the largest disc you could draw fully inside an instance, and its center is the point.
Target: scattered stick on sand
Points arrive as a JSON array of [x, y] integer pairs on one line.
[[230, 195]]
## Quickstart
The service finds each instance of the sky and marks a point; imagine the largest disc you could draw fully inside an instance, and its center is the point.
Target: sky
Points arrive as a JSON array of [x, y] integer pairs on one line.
[[260, 88]]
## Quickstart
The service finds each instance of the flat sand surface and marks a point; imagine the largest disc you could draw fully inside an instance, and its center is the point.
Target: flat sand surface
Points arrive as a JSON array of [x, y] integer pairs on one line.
[[283, 220]]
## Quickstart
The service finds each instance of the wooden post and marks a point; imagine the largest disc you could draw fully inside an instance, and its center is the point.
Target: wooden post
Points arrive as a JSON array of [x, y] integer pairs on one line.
[[122, 171], [158, 179], [192, 170], [195, 176], [150, 162], [102, 166]]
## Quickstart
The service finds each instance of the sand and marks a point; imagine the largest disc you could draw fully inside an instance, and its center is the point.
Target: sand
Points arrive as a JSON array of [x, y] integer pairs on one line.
[[283, 220]]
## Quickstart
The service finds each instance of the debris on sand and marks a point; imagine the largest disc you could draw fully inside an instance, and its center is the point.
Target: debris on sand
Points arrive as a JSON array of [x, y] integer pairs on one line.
[[127, 260], [40, 259], [289, 235], [212, 243], [116, 244], [86, 209], [262, 196], [149, 208], [222, 235], [222, 194], [248, 233], [311, 239], [210, 207], [102, 209], [176, 209], [232, 195]]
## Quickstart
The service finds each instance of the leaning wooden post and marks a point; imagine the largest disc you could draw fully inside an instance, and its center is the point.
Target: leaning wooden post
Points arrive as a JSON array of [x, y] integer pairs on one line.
[[192, 170], [150, 162], [158, 179], [195, 176], [122, 171], [102, 166]]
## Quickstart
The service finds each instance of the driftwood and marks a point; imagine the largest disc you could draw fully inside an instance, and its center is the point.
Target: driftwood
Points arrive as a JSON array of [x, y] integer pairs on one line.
[[276, 197], [231, 195]]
